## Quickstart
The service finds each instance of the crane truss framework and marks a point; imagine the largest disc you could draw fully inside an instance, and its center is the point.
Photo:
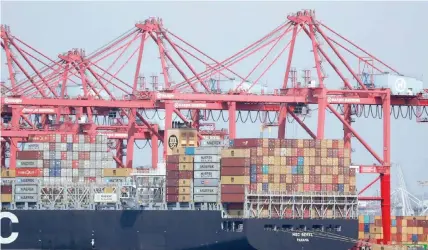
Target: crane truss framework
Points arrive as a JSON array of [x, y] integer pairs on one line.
[[303, 206], [75, 67]]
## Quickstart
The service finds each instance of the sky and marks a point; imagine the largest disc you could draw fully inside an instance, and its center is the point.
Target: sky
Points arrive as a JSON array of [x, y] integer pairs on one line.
[[393, 31]]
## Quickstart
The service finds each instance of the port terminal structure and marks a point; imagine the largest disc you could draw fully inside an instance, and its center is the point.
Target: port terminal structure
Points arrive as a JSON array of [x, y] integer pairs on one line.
[[36, 99]]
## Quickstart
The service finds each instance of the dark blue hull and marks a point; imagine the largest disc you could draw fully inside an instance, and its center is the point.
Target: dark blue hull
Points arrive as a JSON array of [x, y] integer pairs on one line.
[[167, 230]]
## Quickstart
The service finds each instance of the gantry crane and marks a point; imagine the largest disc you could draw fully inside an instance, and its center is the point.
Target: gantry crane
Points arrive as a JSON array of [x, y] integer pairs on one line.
[[35, 93]]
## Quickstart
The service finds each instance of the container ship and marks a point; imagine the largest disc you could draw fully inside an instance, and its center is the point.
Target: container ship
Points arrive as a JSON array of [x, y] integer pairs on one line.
[[65, 193]]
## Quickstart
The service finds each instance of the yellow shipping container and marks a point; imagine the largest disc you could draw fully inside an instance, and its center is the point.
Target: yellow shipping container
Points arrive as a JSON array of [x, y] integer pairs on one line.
[[347, 161], [346, 188], [265, 142], [265, 178], [361, 220], [324, 144], [329, 161], [185, 166], [108, 190], [317, 169], [312, 152], [265, 160], [335, 170], [283, 169], [393, 230], [8, 173], [277, 160], [341, 179], [306, 152], [341, 144], [259, 151], [185, 159], [283, 161], [289, 152], [184, 198], [323, 152], [312, 160], [306, 178], [347, 152], [178, 151], [404, 223], [259, 187], [235, 213], [184, 190], [271, 160], [300, 187], [236, 153], [276, 178], [184, 182], [404, 229], [293, 152], [239, 180], [300, 143], [6, 198], [282, 187], [323, 161], [276, 169], [306, 170], [277, 152], [335, 161], [306, 161], [329, 143], [420, 230], [404, 237], [288, 179], [352, 180], [116, 172]]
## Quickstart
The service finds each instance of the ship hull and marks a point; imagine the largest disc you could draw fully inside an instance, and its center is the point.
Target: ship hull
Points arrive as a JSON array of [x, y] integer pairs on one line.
[[163, 230]]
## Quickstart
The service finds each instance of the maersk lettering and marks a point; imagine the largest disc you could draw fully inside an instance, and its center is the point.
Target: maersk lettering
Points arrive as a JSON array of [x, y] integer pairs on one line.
[[14, 235]]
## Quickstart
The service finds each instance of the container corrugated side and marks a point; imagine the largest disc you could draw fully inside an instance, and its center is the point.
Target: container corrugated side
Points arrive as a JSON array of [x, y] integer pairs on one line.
[[26, 189], [205, 198], [206, 158], [206, 182], [207, 166], [26, 197], [207, 174], [206, 190]]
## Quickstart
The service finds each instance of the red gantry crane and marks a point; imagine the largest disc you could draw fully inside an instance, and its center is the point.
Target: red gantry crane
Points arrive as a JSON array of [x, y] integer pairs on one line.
[[189, 90]]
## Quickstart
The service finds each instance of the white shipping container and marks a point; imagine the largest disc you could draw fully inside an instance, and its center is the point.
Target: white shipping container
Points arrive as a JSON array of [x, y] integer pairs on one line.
[[29, 163], [207, 151], [105, 198], [87, 172], [205, 198], [87, 147], [283, 152], [207, 174], [104, 146], [98, 147], [105, 156], [75, 172], [69, 155], [93, 147], [92, 155], [206, 166], [27, 180], [206, 158], [46, 155], [32, 146], [81, 147], [214, 143], [206, 182], [26, 189], [69, 138], [206, 190], [26, 197], [57, 155], [46, 172], [113, 179], [82, 172], [75, 147], [63, 146], [57, 146], [7, 181], [98, 172], [98, 156], [63, 163]]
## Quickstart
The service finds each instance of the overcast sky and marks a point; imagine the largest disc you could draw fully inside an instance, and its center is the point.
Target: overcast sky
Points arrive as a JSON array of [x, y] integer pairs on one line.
[[395, 32]]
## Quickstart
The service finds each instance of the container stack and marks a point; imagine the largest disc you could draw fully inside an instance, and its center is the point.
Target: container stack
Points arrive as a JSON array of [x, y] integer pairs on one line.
[[404, 230], [6, 193], [206, 170], [179, 166], [26, 190], [235, 174], [62, 158]]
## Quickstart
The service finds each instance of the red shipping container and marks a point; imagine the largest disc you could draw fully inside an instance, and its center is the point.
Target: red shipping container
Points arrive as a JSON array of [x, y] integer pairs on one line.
[[300, 152], [253, 187], [28, 172], [329, 170], [259, 160], [185, 174], [289, 188], [399, 223], [63, 155], [172, 198], [340, 170], [75, 164], [317, 153], [317, 143], [172, 166], [259, 169], [172, 159], [253, 152], [323, 187], [172, 182], [335, 153], [235, 162], [283, 178], [87, 155], [335, 179], [294, 161], [52, 138], [288, 213], [233, 198], [329, 187], [294, 143], [271, 143], [29, 155], [233, 189], [306, 143], [172, 174], [81, 156], [271, 152], [317, 160], [75, 138], [92, 139], [352, 189], [87, 139], [247, 143], [306, 187], [63, 138], [259, 178], [172, 190], [352, 172], [340, 152], [311, 178], [335, 144], [399, 237], [235, 171], [90, 179], [317, 178], [6, 189], [295, 179]]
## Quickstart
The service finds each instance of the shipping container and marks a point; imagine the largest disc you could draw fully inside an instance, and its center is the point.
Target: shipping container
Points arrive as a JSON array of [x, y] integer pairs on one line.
[[206, 158], [178, 198], [207, 166], [26, 189], [118, 172], [235, 153], [26, 180], [172, 166], [185, 167], [29, 163], [214, 143], [247, 142], [232, 189], [206, 190], [233, 198], [6, 198], [8, 173], [6, 189], [207, 174], [206, 182], [235, 171], [205, 198], [34, 146], [29, 155], [29, 172], [206, 151], [235, 162], [26, 197], [240, 180], [179, 138]]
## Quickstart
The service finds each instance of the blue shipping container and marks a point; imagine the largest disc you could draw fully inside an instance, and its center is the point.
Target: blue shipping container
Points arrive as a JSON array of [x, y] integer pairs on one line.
[[366, 228], [341, 187], [189, 150], [294, 170], [253, 178], [366, 219], [300, 160], [300, 169], [231, 143], [372, 219], [69, 146], [265, 169], [414, 237], [253, 169], [55, 172], [394, 222], [265, 187]]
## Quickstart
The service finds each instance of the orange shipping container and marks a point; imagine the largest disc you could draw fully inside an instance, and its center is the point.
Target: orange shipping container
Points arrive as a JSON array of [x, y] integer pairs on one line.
[[6, 198], [235, 153], [8, 173]]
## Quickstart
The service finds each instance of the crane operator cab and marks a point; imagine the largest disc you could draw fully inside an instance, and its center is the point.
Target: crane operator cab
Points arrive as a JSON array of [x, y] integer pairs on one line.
[[128, 194]]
